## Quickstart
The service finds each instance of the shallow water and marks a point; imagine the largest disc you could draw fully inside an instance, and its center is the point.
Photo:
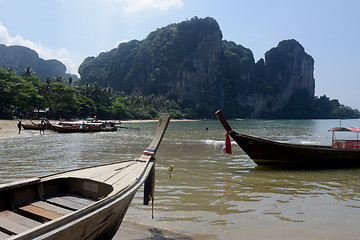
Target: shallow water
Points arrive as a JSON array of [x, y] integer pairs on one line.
[[224, 196]]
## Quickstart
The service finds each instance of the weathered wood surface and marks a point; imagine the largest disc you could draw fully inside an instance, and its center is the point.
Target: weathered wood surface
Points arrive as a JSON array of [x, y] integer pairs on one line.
[[51, 207], [70, 202], [16, 223], [4, 235], [43, 213]]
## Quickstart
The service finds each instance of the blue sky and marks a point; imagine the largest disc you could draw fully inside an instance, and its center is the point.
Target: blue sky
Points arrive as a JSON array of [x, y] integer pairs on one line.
[[71, 30]]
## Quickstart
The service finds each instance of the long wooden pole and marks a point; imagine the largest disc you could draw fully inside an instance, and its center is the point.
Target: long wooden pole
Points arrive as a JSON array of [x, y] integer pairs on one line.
[[223, 121]]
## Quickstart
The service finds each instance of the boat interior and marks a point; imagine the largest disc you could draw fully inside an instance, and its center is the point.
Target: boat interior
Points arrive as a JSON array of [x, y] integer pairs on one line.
[[25, 205]]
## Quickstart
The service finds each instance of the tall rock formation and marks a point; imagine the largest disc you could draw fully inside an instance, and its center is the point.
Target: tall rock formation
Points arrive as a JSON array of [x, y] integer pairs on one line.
[[181, 61], [19, 57], [286, 70], [189, 61]]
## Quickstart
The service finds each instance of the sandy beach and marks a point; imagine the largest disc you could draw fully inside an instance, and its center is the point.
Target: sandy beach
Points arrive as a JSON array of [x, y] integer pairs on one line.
[[8, 128]]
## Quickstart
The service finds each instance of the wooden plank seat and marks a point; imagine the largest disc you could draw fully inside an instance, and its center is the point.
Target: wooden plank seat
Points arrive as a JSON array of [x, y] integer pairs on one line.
[[72, 202], [13, 223], [51, 207], [39, 212], [4, 235], [44, 210]]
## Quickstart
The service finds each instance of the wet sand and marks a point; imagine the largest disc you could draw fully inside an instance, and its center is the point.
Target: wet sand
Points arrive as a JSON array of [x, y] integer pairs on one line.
[[132, 230], [8, 128]]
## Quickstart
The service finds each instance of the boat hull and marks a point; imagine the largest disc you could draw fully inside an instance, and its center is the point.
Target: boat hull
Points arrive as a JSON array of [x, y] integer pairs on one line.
[[34, 127], [99, 220], [67, 129], [270, 153]]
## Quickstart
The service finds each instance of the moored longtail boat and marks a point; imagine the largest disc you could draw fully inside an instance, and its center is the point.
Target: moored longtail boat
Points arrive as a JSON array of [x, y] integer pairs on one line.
[[88, 203], [78, 127], [35, 126], [271, 153]]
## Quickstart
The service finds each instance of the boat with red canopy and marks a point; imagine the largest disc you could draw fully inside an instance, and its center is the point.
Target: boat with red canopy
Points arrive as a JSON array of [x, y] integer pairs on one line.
[[342, 153], [345, 144]]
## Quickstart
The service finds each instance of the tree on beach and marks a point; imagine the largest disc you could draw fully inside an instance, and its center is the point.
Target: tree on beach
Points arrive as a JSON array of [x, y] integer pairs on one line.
[[21, 96]]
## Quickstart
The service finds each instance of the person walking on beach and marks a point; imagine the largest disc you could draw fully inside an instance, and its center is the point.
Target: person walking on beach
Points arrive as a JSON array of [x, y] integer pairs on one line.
[[19, 126]]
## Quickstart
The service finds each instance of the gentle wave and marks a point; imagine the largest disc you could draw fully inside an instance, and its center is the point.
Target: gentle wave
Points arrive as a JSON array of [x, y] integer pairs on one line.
[[212, 142]]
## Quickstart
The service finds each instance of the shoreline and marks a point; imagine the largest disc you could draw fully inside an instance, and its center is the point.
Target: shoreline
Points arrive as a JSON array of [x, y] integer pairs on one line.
[[8, 128], [130, 229]]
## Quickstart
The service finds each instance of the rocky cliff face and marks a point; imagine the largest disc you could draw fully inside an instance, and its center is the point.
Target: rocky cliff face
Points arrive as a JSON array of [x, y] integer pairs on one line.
[[190, 61], [287, 69], [194, 77], [18, 58]]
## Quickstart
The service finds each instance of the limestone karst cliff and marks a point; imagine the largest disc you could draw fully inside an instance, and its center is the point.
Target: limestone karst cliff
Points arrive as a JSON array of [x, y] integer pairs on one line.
[[19, 57], [190, 61], [286, 70]]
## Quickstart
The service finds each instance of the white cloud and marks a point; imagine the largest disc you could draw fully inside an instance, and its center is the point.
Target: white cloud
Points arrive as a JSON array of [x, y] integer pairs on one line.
[[162, 5], [143, 5], [44, 52]]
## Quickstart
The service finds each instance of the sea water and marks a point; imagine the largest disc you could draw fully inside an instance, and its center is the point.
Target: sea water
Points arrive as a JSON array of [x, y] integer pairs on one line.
[[208, 194]]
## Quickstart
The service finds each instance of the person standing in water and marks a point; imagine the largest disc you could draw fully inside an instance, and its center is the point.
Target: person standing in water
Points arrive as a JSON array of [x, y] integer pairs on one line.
[[42, 126]]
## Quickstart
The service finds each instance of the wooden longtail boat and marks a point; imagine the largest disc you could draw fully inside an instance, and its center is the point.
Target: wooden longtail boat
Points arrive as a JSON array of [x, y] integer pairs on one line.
[[35, 126], [271, 153], [88, 203], [80, 128], [31, 126]]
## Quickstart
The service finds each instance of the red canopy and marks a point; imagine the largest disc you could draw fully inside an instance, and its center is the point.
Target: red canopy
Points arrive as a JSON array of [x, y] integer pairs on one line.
[[349, 129]]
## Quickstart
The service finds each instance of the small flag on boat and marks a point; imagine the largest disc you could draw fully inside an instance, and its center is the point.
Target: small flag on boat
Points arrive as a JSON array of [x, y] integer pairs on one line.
[[149, 152], [227, 144]]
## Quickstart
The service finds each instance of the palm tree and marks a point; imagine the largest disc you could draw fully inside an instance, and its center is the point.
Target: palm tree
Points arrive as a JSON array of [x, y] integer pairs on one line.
[[58, 78], [28, 71], [11, 70]]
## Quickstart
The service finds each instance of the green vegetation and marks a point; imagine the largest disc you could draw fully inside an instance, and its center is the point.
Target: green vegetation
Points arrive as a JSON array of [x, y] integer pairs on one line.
[[147, 66], [303, 106], [21, 95]]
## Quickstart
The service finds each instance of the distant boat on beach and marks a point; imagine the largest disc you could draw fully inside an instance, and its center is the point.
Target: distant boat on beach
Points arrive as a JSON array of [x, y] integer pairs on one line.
[[82, 126], [34, 126]]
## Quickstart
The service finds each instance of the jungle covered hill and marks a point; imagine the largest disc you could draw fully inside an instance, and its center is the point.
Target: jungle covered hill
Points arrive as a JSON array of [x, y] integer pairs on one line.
[[186, 69], [22, 94], [190, 62]]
